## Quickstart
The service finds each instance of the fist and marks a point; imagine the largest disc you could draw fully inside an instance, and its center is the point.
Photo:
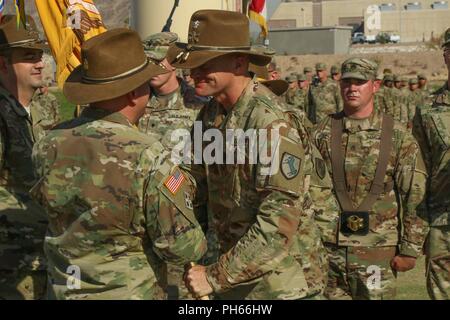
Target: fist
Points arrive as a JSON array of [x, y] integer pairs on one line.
[[403, 263], [196, 281]]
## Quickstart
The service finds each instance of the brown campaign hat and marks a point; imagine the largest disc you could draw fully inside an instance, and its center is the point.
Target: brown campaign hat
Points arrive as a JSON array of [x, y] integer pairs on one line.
[[24, 36], [214, 33], [276, 86], [113, 64]]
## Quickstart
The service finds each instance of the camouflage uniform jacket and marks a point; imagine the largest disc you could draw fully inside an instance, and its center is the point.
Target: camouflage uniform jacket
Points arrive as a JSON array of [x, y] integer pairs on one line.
[[268, 243], [113, 211], [324, 99], [22, 227], [44, 113], [432, 129], [297, 98], [164, 114], [405, 180]]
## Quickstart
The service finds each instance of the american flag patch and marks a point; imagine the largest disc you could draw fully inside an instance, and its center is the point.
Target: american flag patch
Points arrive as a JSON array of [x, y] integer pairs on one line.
[[174, 182]]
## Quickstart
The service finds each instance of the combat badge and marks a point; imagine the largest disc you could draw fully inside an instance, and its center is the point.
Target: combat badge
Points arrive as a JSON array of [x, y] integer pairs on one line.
[[290, 166]]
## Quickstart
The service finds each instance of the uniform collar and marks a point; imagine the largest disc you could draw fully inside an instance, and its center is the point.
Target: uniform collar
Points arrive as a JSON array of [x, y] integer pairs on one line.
[[371, 123], [15, 104], [101, 114]]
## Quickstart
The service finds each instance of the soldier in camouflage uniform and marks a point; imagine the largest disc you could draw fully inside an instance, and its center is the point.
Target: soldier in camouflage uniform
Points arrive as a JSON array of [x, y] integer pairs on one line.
[[398, 103], [335, 72], [24, 118], [291, 92], [174, 104], [308, 72], [267, 245], [432, 129], [126, 208], [324, 97], [367, 249], [425, 90], [416, 95]]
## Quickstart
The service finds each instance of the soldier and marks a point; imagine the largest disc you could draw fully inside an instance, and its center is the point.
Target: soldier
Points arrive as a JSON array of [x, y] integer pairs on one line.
[[324, 98], [423, 87], [432, 128], [292, 90], [125, 207], [379, 180], [23, 120], [187, 77], [416, 95], [308, 71], [267, 246], [174, 104], [274, 71], [335, 73], [397, 102]]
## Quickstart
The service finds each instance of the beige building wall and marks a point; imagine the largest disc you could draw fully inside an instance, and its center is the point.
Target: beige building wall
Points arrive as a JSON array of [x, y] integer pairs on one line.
[[149, 16], [301, 12], [416, 25]]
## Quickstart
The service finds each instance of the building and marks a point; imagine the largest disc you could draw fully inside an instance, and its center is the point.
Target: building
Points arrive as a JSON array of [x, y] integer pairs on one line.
[[413, 20], [148, 16]]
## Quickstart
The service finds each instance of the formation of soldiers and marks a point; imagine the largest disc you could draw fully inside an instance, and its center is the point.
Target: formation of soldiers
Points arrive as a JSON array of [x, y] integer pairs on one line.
[[98, 207]]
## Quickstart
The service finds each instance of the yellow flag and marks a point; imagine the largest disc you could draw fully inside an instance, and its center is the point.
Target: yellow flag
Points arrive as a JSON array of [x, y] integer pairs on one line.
[[67, 24]]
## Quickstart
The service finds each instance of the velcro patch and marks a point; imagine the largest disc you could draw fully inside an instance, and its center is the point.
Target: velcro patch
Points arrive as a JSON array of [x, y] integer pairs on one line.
[[174, 182]]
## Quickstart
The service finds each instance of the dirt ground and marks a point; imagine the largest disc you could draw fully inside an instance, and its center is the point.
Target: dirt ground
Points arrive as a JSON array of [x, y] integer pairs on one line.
[[431, 62]]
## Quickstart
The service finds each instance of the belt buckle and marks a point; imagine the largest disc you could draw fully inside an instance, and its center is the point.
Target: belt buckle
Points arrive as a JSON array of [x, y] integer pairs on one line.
[[355, 223]]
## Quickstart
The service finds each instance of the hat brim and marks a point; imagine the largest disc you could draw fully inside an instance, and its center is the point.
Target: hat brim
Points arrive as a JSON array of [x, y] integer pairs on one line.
[[196, 58], [79, 92], [34, 46], [356, 75], [279, 87]]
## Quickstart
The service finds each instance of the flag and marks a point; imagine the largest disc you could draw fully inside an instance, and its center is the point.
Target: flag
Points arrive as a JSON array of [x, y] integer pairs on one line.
[[257, 12], [2, 7], [174, 182], [67, 24], [20, 13]]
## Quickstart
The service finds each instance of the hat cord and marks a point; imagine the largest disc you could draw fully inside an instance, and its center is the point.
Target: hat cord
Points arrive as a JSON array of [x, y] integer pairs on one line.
[[87, 79]]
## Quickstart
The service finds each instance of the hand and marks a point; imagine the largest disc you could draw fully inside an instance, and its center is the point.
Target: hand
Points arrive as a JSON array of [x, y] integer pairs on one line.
[[403, 263], [196, 282]]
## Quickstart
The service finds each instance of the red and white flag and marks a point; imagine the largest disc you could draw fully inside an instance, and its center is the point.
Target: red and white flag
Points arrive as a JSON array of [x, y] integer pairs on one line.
[[257, 11]]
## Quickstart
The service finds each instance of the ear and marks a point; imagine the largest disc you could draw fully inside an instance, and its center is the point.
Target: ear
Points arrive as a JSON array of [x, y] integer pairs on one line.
[[131, 97], [376, 86], [241, 64]]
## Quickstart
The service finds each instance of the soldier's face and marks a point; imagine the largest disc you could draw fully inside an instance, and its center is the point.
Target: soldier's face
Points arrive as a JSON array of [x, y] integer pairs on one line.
[[322, 74], [398, 84], [26, 68], [216, 76], [389, 84], [413, 87], [162, 79], [336, 76], [303, 84], [293, 85], [422, 82], [357, 94]]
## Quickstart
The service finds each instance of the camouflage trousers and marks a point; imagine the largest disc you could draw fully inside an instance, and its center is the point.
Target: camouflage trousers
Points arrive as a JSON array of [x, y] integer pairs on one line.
[[360, 273], [437, 252], [23, 285]]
